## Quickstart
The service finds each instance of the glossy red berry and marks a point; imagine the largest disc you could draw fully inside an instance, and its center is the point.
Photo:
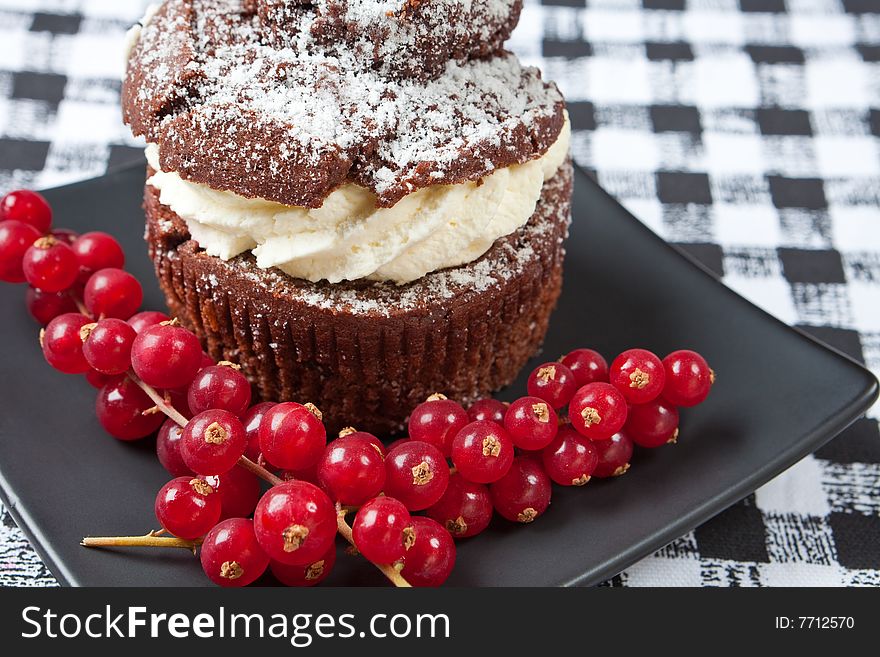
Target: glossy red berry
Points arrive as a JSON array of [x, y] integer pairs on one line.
[[552, 382], [15, 239], [382, 530], [295, 522], [46, 306], [531, 423], [239, 492], [587, 365], [688, 378], [50, 265], [416, 474], [482, 452], [292, 436], [212, 442], [436, 421], [305, 575], [98, 380], [168, 449], [140, 321], [220, 386], [62, 343], [377, 444], [614, 456], [570, 459], [95, 251], [489, 409], [652, 424], [351, 470], [523, 493], [251, 421], [597, 411], [166, 356], [113, 293], [125, 411], [187, 507], [465, 509], [638, 374], [431, 558], [28, 207], [231, 556], [107, 345], [64, 235]]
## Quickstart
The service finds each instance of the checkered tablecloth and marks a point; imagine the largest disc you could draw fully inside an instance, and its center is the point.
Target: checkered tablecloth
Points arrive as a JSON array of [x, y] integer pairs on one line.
[[746, 130]]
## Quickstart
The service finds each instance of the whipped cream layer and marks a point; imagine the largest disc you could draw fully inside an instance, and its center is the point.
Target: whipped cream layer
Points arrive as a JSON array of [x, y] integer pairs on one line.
[[349, 237]]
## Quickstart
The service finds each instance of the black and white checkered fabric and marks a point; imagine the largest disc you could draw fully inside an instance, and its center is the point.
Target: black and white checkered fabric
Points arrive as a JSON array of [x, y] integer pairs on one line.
[[746, 130]]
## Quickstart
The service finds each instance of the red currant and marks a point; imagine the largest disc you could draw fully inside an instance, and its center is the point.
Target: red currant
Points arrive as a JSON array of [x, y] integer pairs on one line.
[[147, 318], [430, 560], [597, 411], [295, 522], [465, 508], [168, 449], [220, 386], [397, 442], [652, 424], [305, 575], [416, 474], [113, 293], [95, 251], [382, 530], [62, 343], [251, 421], [231, 555], [187, 507], [50, 265], [212, 442], [688, 378], [614, 456], [523, 493], [570, 459], [436, 421], [292, 436], [638, 374], [28, 207], [482, 452], [351, 470], [166, 356], [488, 409], [98, 380], [370, 438], [552, 382], [587, 365], [309, 474], [15, 239], [46, 306], [107, 345], [239, 492], [125, 411], [531, 423], [64, 235]]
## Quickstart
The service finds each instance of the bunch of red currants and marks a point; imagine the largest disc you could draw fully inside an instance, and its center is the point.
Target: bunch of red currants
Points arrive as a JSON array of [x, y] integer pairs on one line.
[[153, 375]]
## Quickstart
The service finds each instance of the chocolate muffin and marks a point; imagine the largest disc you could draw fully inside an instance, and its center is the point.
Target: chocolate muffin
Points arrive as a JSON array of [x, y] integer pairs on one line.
[[353, 234]]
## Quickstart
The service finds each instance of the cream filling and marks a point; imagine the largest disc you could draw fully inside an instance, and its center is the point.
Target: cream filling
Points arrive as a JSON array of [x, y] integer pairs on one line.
[[349, 237]]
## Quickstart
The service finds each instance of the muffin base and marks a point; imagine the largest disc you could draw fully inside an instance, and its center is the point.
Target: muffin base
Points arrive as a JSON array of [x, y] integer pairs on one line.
[[367, 353]]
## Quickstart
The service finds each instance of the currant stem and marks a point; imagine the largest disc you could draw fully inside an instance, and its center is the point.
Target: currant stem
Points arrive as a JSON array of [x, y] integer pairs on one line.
[[388, 570], [153, 539], [259, 470], [160, 402]]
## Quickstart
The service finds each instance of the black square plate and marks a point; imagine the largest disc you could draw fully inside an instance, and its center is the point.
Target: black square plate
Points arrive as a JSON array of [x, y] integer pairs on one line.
[[780, 395]]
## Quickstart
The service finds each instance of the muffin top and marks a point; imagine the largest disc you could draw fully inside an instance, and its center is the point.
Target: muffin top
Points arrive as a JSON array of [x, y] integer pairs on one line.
[[404, 38], [237, 105]]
